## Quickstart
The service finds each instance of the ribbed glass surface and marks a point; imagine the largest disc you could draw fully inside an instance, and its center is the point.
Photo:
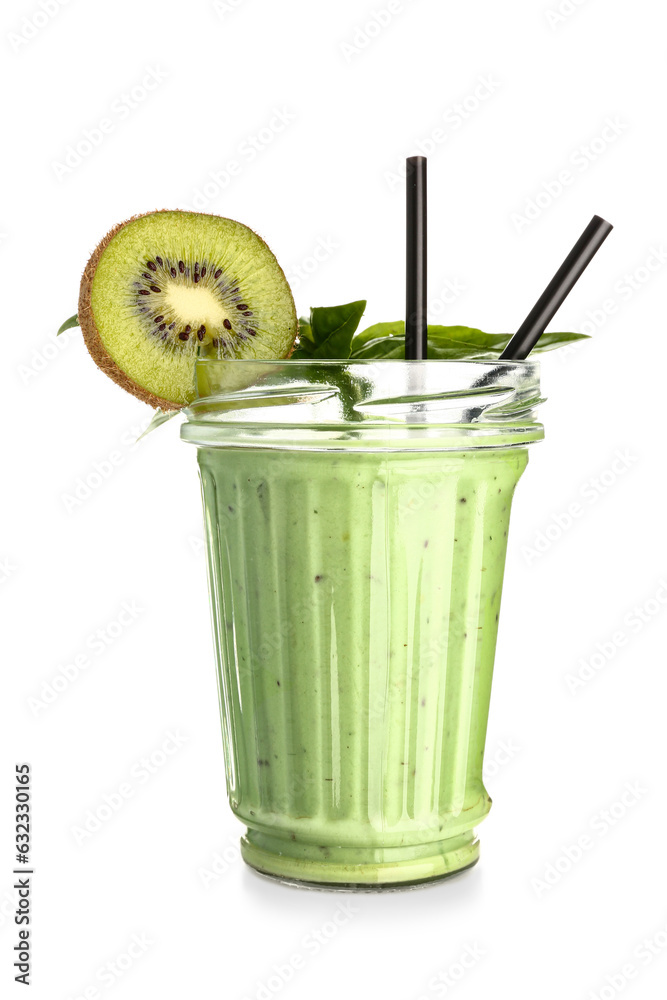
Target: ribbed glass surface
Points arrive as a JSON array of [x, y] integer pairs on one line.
[[357, 600]]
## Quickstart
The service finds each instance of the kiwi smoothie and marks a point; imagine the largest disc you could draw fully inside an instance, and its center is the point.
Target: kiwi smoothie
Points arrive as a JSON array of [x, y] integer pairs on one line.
[[357, 491], [357, 607]]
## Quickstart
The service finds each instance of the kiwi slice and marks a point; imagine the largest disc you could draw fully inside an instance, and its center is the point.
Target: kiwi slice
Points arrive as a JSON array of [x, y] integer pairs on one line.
[[164, 288]]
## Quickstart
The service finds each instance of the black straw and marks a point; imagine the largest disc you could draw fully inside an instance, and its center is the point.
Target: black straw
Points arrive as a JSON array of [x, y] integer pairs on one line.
[[415, 285], [557, 290]]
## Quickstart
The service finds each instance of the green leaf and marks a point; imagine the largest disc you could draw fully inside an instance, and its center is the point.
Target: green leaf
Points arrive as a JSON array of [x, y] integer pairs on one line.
[[467, 338], [375, 332], [328, 334], [549, 341], [305, 329], [451, 343], [383, 347], [331, 331], [68, 324], [159, 417], [305, 345]]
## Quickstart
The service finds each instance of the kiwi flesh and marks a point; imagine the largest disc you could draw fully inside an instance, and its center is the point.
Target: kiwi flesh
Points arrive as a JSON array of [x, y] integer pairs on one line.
[[164, 288]]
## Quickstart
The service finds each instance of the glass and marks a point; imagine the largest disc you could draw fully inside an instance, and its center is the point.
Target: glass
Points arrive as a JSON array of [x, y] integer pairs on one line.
[[356, 522]]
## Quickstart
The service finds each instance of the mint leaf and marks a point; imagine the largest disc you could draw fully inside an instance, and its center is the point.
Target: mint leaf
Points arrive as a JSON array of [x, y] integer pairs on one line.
[[305, 345], [159, 417], [550, 341], [305, 329], [382, 347], [467, 338], [68, 324], [377, 331], [330, 331], [448, 343]]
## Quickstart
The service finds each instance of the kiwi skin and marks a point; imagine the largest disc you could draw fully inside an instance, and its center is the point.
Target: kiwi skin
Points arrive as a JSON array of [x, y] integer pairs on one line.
[[91, 336]]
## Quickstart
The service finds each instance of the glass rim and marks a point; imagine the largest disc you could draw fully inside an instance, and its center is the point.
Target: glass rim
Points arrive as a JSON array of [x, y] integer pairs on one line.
[[318, 362], [352, 403]]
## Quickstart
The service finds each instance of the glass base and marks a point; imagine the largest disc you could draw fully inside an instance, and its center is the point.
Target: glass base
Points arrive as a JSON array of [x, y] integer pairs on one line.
[[362, 869]]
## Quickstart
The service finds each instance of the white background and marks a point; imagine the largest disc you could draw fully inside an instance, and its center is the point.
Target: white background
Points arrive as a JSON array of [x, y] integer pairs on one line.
[[358, 104]]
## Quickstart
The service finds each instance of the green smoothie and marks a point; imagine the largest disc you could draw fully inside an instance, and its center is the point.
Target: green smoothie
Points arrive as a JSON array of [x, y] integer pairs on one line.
[[356, 596]]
